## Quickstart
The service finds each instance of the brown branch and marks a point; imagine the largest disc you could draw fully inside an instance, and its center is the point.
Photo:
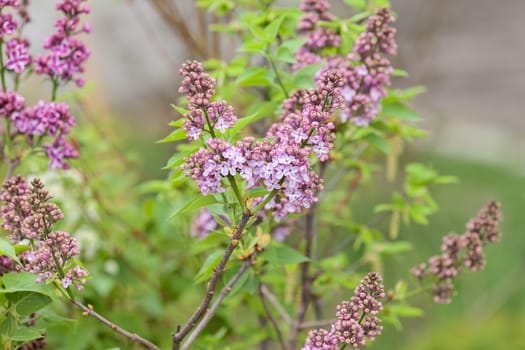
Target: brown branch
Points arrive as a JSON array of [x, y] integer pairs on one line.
[[181, 333], [270, 317], [132, 336], [306, 279], [275, 303], [316, 324], [215, 306]]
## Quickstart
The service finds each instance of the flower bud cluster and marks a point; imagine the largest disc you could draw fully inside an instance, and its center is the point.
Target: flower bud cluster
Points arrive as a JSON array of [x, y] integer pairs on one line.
[[204, 114], [461, 251], [281, 161], [366, 71], [356, 321], [317, 37], [29, 217], [67, 54]]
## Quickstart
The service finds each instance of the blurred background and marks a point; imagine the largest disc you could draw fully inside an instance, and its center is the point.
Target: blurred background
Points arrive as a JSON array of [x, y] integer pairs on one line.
[[469, 56]]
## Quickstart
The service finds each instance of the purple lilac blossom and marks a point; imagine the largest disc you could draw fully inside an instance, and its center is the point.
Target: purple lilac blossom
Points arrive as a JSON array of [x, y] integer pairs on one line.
[[27, 214], [17, 52], [317, 37], [203, 114], [51, 119], [281, 161], [67, 55], [356, 320], [366, 71], [461, 251]]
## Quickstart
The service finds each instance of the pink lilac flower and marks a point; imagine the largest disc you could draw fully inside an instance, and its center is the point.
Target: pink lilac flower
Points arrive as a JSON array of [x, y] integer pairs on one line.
[[17, 52], [317, 37], [67, 55], [461, 251], [27, 214], [11, 104], [366, 72], [356, 320], [281, 161], [59, 151], [7, 3], [51, 119], [204, 114], [8, 25]]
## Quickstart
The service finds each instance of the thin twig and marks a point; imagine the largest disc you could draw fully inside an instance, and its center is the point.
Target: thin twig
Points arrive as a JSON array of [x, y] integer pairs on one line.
[[271, 318], [181, 333], [315, 324], [215, 306], [275, 303], [306, 279], [132, 336]]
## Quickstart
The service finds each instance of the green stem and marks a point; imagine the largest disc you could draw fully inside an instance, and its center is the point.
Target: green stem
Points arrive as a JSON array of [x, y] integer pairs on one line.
[[54, 90], [2, 68], [418, 291], [277, 76], [264, 202], [235, 188]]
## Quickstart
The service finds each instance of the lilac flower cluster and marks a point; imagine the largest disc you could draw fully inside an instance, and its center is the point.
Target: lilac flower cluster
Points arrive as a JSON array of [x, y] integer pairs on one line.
[[317, 37], [17, 54], [461, 251], [44, 119], [356, 321], [28, 216], [366, 71], [281, 161], [67, 54], [204, 114]]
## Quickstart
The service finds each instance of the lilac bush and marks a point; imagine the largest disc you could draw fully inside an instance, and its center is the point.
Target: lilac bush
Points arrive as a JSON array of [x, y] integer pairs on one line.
[[271, 152]]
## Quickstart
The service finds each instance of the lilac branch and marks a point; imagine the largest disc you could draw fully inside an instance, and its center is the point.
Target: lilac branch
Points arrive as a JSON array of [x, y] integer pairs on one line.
[[88, 310], [270, 317], [181, 333], [275, 303], [215, 306]]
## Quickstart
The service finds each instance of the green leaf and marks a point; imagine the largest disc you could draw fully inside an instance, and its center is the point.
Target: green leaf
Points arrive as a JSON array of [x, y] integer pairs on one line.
[[24, 282], [253, 76], [303, 78], [182, 111], [27, 303], [25, 334], [178, 158], [399, 110], [356, 4], [285, 54], [207, 267], [379, 142], [406, 310], [281, 254], [271, 31], [400, 73], [175, 135], [197, 202], [392, 247], [7, 249]]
